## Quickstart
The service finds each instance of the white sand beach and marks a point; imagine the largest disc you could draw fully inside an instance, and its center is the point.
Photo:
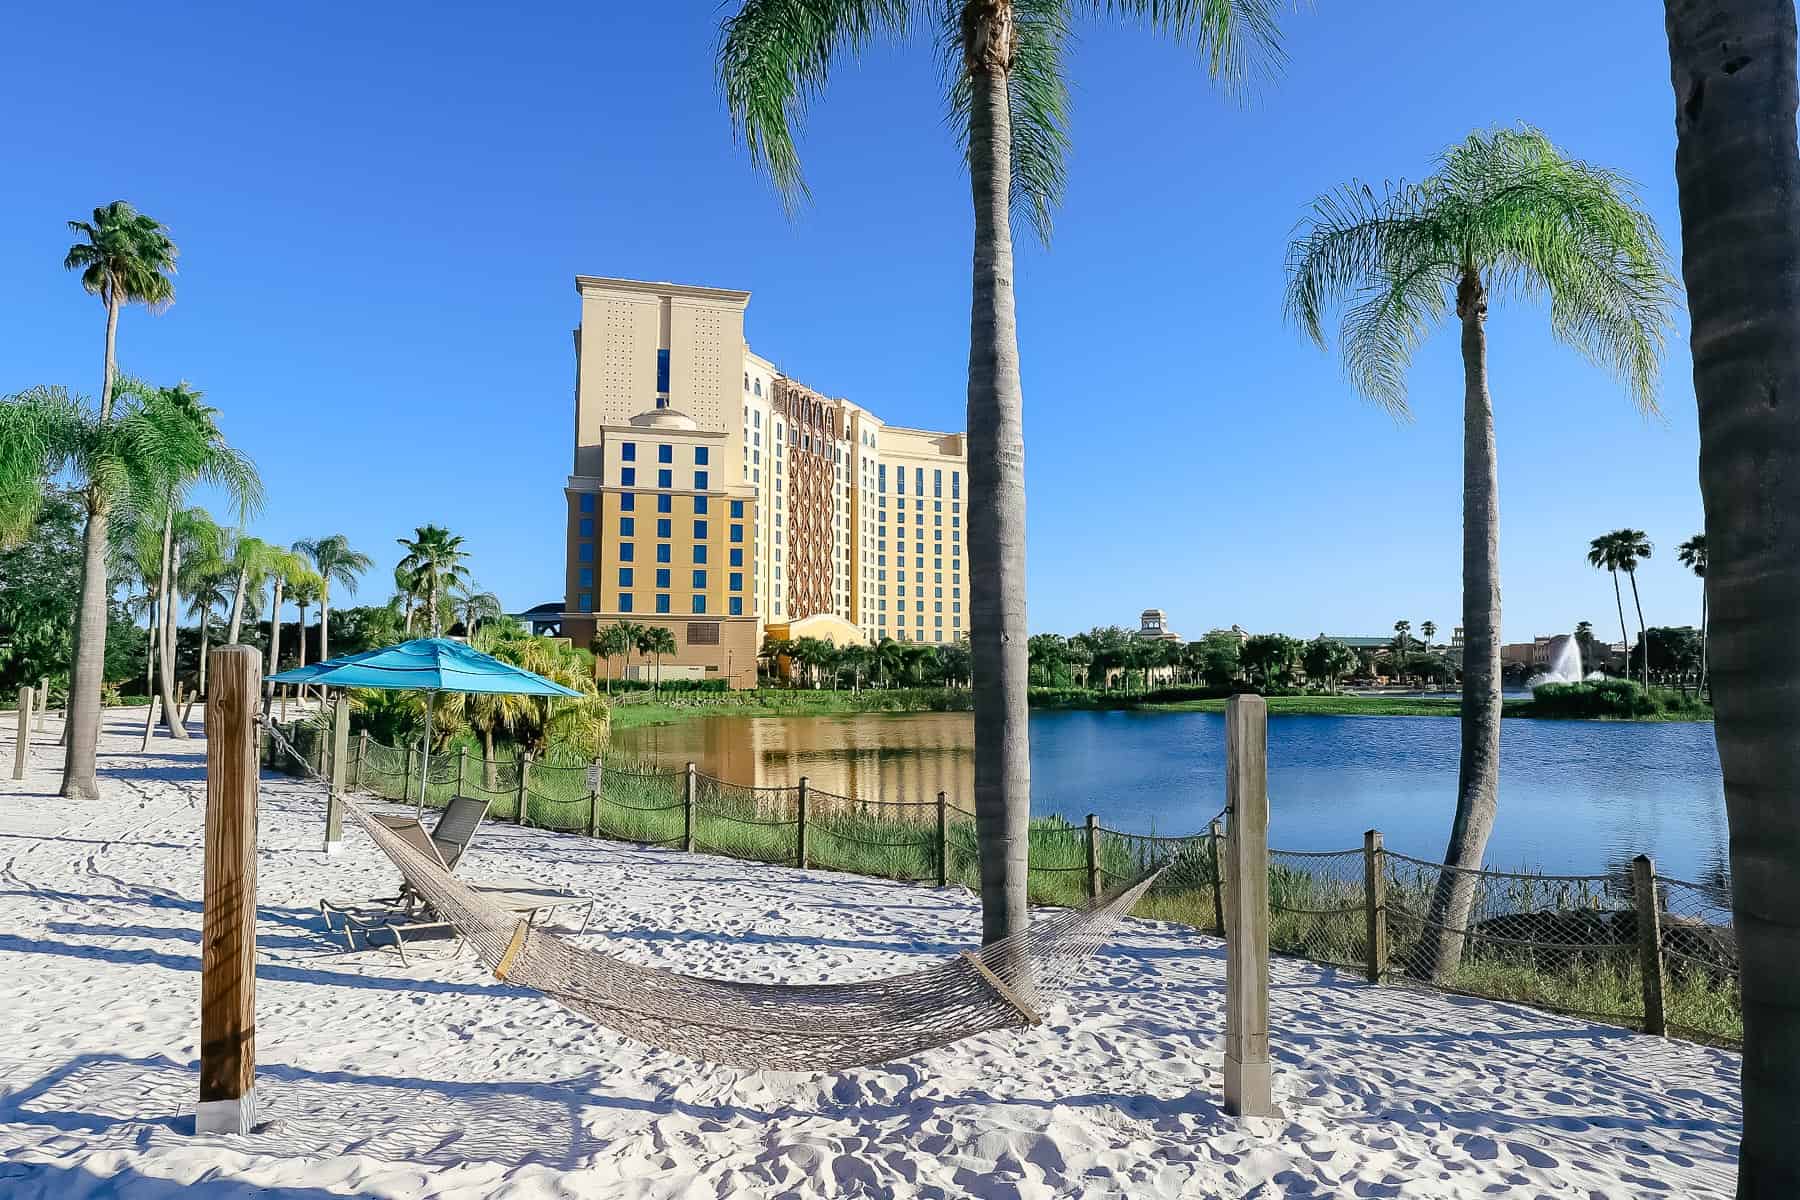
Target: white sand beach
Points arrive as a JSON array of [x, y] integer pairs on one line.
[[434, 1080]]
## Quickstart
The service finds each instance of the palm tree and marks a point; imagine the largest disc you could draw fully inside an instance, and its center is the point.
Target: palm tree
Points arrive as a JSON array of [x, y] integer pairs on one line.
[[655, 639], [283, 565], [1692, 554], [472, 607], [125, 258], [304, 588], [1505, 215], [1008, 102], [1584, 638], [336, 562], [1429, 630], [1733, 72], [610, 641], [251, 560], [434, 565], [1402, 642], [1618, 551], [890, 659], [206, 596]]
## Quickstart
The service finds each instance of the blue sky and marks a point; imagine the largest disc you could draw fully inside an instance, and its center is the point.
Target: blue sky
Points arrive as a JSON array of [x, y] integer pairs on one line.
[[381, 210]]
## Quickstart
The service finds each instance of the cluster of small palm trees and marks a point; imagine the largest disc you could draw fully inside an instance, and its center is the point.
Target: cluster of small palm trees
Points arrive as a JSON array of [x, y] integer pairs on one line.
[[816, 662], [1624, 550], [622, 638]]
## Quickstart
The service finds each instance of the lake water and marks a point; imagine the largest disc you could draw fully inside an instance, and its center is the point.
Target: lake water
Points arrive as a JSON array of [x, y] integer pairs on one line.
[[1575, 796]]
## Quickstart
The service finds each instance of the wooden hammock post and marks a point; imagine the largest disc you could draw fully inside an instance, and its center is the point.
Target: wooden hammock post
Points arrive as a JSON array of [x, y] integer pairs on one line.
[[943, 841], [1375, 902], [1218, 885], [362, 756], [1093, 857], [22, 744], [228, 932], [1649, 932], [687, 810], [524, 786], [596, 780], [800, 828], [340, 755], [1247, 1083]]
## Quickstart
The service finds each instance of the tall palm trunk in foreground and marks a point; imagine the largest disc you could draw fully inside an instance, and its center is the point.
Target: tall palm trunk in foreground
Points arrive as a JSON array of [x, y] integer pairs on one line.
[[997, 630], [1733, 71]]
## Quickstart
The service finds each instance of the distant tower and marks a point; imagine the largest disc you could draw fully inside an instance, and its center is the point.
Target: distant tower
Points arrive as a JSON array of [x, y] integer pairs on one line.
[[1153, 626]]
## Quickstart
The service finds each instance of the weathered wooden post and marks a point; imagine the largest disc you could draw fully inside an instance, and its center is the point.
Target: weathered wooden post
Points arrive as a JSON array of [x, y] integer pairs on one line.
[[22, 745], [1247, 1083], [1093, 857], [1649, 931], [687, 810], [1375, 904], [596, 778], [406, 773], [800, 827], [340, 754], [1218, 874], [462, 767], [228, 931], [943, 863], [524, 787], [362, 756]]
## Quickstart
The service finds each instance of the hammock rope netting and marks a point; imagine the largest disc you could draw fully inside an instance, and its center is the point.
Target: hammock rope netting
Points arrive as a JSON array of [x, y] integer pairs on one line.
[[1007, 984]]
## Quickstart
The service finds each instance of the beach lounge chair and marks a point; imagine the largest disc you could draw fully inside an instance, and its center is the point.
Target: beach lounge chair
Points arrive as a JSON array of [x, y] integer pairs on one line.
[[446, 843]]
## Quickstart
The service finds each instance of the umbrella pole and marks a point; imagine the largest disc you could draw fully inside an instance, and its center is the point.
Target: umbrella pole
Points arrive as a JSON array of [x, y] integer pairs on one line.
[[425, 750]]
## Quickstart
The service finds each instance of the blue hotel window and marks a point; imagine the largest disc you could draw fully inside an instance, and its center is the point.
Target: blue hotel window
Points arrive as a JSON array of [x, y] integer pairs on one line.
[[624, 602], [586, 552], [587, 577], [628, 451], [699, 505], [699, 604], [587, 602], [585, 528], [737, 558], [737, 606], [627, 551], [662, 603], [587, 502], [627, 501], [665, 454], [699, 481], [662, 552], [662, 370], [699, 456], [665, 504], [699, 531], [662, 577], [956, 485], [627, 526], [699, 579], [737, 581], [737, 533], [665, 479], [628, 476], [624, 576], [737, 510], [699, 554], [663, 527]]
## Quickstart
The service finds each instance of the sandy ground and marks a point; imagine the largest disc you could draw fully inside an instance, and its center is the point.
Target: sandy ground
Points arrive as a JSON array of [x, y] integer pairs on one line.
[[435, 1081]]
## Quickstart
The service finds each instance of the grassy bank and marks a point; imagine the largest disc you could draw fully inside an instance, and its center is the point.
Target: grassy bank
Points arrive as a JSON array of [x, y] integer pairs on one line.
[[1613, 701]]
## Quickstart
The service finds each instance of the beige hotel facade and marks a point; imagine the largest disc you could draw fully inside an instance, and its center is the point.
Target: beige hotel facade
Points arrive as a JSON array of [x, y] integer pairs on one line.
[[716, 496]]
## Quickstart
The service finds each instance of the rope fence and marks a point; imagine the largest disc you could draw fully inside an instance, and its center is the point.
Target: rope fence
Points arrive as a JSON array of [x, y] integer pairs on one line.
[[1566, 943]]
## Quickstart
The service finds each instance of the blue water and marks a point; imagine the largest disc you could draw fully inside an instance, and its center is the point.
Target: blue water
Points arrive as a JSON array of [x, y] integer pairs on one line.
[[1576, 797]]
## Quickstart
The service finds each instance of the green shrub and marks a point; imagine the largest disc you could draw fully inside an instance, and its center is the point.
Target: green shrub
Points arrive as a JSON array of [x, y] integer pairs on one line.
[[1614, 698]]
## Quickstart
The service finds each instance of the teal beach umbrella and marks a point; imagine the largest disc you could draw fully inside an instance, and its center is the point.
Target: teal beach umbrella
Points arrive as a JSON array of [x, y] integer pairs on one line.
[[429, 665]]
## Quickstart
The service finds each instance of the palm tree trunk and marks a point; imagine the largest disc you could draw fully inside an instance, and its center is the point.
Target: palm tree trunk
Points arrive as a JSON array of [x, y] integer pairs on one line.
[[1624, 629], [171, 642], [205, 645], [1478, 774], [1643, 633], [325, 621], [996, 445], [1733, 71], [237, 606], [489, 771], [274, 643], [1705, 627]]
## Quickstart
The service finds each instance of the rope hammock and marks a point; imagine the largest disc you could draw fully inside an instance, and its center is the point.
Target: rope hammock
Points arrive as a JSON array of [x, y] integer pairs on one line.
[[758, 1026]]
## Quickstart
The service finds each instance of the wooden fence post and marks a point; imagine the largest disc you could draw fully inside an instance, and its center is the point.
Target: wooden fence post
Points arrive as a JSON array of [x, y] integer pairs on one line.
[[596, 781], [462, 767], [1093, 857], [800, 828], [362, 756], [1375, 904], [1649, 931], [687, 810], [524, 787], [228, 930], [943, 863], [22, 745], [1247, 1082], [406, 773], [340, 754], [1218, 885]]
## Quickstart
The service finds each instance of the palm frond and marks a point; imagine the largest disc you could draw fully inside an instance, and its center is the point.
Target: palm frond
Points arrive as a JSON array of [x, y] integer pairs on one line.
[[1239, 40]]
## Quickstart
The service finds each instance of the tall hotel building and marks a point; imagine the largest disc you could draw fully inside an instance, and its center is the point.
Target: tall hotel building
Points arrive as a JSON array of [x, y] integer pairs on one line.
[[714, 496]]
